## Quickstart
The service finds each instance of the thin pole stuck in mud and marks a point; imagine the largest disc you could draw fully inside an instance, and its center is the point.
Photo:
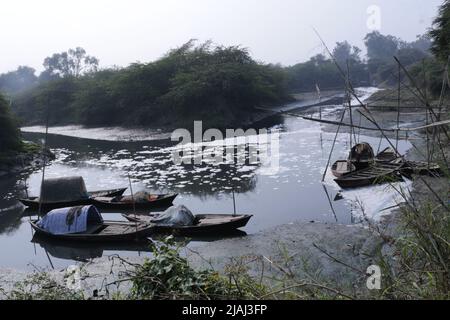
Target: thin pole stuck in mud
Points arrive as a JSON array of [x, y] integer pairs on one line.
[[349, 100], [44, 157], [426, 112], [134, 202], [332, 147], [24, 179], [398, 107], [234, 203]]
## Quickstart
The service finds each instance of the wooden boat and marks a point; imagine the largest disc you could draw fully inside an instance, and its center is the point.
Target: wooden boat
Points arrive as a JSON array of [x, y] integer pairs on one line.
[[342, 167], [106, 231], [387, 155], [204, 224], [33, 202], [375, 174], [86, 224], [421, 168], [149, 202], [409, 167]]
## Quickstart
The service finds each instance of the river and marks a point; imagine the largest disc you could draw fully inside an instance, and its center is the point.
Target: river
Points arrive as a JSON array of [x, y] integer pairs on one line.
[[105, 158]]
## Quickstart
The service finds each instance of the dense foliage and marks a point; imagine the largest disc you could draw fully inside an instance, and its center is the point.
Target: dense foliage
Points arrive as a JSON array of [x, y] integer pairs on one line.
[[219, 85], [441, 32], [9, 133]]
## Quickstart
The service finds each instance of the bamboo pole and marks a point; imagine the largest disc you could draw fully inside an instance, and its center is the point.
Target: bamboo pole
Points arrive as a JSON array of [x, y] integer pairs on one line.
[[23, 178], [332, 147], [398, 107], [134, 202], [426, 111], [44, 158], [349, 100], [234, 203], [329, 202], [431, 125]]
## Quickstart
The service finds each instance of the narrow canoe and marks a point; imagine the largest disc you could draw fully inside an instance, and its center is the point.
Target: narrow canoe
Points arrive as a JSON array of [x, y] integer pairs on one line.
[[205, 224], [421, 168], [33, 202], [113, 203], [375, 174]]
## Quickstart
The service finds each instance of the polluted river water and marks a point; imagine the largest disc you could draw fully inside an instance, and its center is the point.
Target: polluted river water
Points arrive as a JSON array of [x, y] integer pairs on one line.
[[106, 157]]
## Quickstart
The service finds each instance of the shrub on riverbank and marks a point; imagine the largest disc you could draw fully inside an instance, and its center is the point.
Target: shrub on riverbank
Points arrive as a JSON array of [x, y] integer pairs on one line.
[[219, 85], [9, 132], [169, 276]]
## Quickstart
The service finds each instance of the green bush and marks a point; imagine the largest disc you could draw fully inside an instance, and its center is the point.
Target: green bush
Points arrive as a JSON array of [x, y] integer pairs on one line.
[[169, 276], [9, 132]]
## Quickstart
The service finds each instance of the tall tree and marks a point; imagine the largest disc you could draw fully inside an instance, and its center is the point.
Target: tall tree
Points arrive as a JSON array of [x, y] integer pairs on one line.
[[73, 63], [380, 46], [22, 78], [344, 51], [440, 32]]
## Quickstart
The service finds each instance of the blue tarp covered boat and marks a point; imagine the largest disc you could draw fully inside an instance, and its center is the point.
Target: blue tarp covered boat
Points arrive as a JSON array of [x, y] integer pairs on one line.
[[85, 223]]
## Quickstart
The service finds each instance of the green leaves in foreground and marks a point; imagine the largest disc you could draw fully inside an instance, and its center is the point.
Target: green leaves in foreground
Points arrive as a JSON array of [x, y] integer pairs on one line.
[[169, 276]]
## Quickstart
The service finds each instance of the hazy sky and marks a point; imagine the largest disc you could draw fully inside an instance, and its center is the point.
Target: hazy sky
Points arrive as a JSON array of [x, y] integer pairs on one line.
[[120, 32]]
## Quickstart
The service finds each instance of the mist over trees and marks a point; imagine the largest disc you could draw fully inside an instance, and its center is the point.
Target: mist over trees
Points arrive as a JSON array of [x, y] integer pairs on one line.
[[22, 78], [72, 63], [376, 68]]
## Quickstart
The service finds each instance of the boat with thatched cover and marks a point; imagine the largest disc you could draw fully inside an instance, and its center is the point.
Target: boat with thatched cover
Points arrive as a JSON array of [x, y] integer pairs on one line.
[[66, 192]]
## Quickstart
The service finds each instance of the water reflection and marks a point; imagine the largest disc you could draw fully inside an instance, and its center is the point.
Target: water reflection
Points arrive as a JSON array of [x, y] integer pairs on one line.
[[79, 251], [84, 252], [10, 210]]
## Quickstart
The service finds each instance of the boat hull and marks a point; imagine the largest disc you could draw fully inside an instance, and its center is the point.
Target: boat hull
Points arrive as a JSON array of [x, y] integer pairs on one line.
[[377, 174], [33, 203], [131, 232], [159, 203], [237, 222]]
